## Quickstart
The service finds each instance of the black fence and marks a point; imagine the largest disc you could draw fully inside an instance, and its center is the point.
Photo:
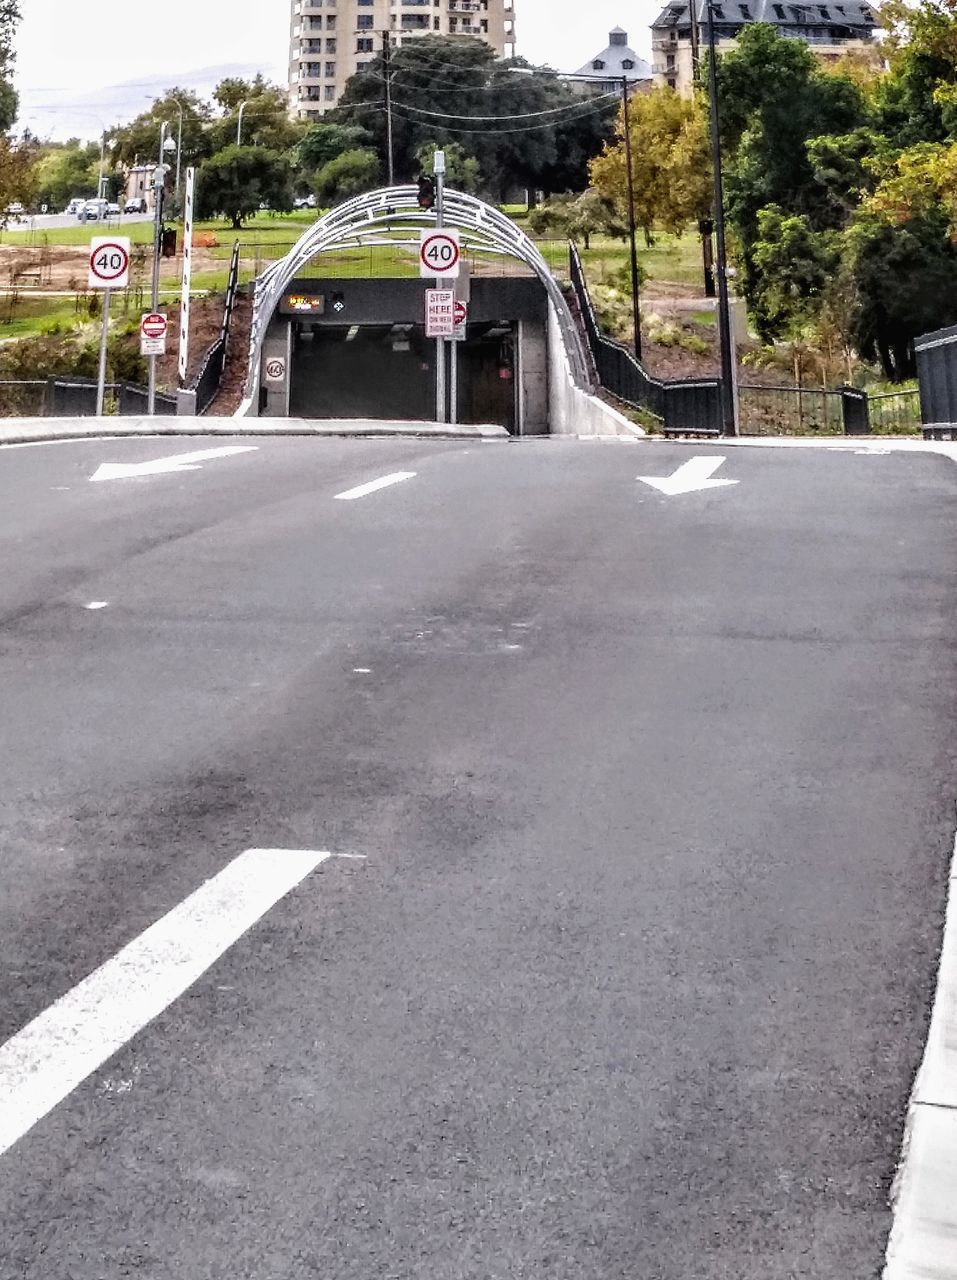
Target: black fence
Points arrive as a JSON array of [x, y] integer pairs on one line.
[[937, 375], [209, 379], [689, 406], [76, 398]]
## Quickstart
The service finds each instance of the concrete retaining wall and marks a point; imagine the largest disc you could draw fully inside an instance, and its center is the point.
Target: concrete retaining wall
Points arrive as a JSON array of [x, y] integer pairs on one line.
[[571, 409]]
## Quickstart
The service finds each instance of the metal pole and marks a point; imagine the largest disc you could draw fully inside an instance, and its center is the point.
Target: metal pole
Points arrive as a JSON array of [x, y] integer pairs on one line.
[[101, 374], [239, 126], [179, 152], [635, 309], [453, 381], [440, 392], [728, 415], [157, 228], [386, 61]]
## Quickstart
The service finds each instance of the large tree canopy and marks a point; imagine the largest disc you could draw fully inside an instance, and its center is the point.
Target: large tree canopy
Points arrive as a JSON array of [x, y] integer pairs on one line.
[[9, 17], [525, 127]]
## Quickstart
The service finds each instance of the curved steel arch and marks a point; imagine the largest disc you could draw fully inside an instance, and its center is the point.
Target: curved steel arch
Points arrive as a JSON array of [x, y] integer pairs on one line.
[[364, 220]]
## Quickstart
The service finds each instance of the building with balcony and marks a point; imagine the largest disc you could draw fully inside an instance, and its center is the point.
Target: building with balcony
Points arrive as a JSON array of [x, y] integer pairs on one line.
[[332, 40], [681, 31], [607, 69]]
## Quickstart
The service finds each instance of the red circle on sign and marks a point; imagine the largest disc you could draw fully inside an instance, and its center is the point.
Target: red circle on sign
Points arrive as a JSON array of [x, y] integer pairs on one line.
[[437, 245], [154, 325], [460, 314], [109, 270]]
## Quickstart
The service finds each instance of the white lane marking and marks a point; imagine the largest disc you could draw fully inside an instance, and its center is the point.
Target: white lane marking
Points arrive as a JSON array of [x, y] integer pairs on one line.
[[373, 486], [921, 1244], [96, 604], [160, 466], [43, 1063], [691, 476], [362, 671]]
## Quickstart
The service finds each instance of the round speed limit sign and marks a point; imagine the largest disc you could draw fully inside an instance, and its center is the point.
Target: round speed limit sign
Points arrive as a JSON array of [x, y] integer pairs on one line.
[[439, 254], [109, 262]]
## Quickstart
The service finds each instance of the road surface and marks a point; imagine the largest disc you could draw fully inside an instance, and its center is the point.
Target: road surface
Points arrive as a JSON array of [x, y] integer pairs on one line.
[[637, 810]]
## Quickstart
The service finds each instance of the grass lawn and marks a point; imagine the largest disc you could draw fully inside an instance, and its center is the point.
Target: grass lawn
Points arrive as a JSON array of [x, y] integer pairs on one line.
[[33, 316]]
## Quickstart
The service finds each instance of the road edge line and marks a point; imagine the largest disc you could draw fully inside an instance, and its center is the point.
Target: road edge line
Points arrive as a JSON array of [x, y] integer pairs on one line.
[[924, 1192]]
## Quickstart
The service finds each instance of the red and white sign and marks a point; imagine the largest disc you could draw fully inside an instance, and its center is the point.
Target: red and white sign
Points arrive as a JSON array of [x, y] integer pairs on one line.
[[109, 262], [460, 316], [439, 313], [439, 254], [153, 329]]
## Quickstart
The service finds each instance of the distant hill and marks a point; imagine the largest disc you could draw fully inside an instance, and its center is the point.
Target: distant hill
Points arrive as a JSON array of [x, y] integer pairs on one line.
[[69, 113]]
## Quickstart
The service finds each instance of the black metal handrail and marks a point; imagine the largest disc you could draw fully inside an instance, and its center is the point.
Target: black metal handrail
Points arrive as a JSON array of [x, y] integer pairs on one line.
[[686, 406]]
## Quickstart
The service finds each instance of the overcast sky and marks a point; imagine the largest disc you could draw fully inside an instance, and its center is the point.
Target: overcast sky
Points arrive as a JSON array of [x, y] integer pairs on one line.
[[68, 49]]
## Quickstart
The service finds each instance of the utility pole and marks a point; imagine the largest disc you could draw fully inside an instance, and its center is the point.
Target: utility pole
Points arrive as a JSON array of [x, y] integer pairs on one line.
[[728, 398], [386, 64], [440, 392], [635, 308]]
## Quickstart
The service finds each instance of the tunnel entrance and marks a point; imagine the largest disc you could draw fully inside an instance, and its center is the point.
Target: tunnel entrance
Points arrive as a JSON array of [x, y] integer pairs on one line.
[[388, 371]]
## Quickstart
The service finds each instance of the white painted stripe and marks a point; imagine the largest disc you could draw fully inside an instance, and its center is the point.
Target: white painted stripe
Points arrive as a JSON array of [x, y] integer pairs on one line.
[[922, 1241], [374, 485], [44, 1062]]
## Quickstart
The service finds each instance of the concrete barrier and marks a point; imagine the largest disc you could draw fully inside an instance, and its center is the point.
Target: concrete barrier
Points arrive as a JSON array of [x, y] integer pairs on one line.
[[572, 410]]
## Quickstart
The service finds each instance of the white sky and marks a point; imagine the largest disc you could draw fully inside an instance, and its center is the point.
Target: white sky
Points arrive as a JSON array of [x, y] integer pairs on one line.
[[66, 49]]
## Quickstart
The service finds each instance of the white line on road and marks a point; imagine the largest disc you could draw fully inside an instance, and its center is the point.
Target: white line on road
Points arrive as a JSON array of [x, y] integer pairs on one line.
[[96, 604], [54, 1053], [921, 1245], [374, 485]]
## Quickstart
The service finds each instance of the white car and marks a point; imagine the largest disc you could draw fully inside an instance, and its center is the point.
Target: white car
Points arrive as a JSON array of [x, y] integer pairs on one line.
[[93, 210]]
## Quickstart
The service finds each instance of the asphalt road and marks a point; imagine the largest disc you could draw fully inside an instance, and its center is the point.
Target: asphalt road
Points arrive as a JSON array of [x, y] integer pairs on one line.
[[649, 802]]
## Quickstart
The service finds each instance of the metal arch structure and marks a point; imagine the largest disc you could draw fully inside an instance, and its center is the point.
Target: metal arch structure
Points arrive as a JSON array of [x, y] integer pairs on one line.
[[365, 221]]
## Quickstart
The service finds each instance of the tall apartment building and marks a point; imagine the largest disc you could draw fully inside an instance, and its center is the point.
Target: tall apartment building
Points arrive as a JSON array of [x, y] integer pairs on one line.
[[330, 40], [829, 29]]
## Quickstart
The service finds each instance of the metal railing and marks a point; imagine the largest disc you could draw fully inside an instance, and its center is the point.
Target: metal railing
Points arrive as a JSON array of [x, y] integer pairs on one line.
[[688, 406], [789, 411], [895, 412], [208, 380], [22, 398]]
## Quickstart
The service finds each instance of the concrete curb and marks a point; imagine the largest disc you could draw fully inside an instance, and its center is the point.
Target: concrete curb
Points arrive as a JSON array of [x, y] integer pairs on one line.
[[923, 1239], [41, 430]]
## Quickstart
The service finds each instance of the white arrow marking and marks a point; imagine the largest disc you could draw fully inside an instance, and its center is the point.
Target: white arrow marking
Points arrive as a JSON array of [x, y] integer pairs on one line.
[[55, 1052], [179, 462], [691, 475]]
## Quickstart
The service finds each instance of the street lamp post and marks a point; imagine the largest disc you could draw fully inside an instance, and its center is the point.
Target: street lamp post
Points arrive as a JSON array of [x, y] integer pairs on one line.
[[728, 397], [239, 127]]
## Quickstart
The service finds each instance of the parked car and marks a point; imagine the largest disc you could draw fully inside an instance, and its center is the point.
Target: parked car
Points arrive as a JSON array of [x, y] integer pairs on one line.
[[93, 210], [16, 208], [75, 205], [305, 202], [135, 206], [112, 209]]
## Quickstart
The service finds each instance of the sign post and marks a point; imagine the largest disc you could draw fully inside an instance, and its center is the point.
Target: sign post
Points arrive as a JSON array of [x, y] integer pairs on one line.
[[187, 277], [109, 269]]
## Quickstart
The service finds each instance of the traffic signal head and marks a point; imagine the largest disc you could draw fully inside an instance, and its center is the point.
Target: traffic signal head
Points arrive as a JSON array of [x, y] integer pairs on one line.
[[426, 195]]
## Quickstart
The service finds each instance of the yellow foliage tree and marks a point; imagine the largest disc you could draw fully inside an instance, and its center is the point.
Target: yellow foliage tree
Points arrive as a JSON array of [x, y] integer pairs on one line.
[[671, 166]]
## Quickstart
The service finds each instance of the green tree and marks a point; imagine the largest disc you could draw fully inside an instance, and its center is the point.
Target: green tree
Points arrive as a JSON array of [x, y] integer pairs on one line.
[[905, 275], [349, 174], [524, 125], [65, 170], [324, 141], [792, 265], [578, 217], [237, 181], [9, 17], [138, 141], [461, 167], [265, 116], [671, 168]]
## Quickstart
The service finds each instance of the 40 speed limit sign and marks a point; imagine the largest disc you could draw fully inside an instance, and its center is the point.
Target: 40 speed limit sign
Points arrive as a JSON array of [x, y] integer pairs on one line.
[[439, 254], [109, 262]]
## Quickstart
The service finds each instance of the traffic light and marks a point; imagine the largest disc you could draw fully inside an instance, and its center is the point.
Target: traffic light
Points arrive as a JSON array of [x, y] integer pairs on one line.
[[426, 195]]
